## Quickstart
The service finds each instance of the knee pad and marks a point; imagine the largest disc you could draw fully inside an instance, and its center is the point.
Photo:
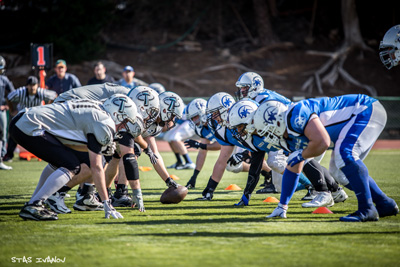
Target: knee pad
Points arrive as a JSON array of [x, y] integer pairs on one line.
[[131, 166], [234, 168]]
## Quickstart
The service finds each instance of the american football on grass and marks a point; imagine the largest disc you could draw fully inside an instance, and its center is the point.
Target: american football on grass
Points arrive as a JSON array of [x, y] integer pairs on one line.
[[173, 195]]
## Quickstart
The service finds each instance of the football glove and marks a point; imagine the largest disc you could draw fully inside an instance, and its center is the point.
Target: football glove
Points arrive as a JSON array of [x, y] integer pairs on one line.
[[153, 157], [237, 158], [190, 143], [110, 210], [138, 200], [108, 150], [171, 183], [295, 158]]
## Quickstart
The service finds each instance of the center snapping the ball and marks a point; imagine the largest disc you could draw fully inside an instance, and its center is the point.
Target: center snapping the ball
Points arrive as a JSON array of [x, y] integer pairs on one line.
[[173, 195]]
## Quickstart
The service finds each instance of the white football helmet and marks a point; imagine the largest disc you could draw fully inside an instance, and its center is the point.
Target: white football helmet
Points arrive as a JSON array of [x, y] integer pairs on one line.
[[158, 87], [240, 119], [171, 108], [269, 120], [2, 65], [218, 106], [122, 109], [196, 113], [390, 47], [249, 84], [147, 102]]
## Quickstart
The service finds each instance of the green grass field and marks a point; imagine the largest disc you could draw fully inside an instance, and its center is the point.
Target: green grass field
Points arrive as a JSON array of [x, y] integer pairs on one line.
[[195, 233]]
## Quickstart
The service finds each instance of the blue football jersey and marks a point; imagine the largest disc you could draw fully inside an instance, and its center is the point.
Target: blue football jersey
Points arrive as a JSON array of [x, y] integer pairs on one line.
[[333, 112], [271, 95]]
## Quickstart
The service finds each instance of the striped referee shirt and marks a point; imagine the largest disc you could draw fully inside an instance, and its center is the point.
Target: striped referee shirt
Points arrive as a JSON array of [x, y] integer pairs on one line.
[[24, 100]]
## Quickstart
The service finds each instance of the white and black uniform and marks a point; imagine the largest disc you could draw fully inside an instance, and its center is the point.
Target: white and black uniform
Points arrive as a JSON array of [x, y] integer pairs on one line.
[[46, 130], [97, 92]]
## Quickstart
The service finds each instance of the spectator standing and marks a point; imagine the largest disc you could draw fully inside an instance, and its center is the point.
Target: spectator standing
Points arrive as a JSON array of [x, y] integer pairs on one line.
[[62, 81], [127, 79], [100, 75], [6, 87]]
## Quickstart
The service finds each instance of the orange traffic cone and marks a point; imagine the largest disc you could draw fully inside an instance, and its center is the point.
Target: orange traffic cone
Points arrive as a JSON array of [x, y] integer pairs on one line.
[[28, 156], [322, 210], [174, 177], [271, 200], [145, 169], [233, 187]]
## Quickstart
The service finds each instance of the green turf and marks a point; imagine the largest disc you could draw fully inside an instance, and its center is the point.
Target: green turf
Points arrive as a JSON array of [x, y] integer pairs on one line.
[[195, 233]]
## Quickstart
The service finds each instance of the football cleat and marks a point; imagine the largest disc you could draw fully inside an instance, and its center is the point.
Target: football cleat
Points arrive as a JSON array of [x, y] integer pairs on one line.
[[268, 189], [57, 204], [207, 197], [89, 202], [339, 196], [190, 186], [279, 212], [186, 166], [322, 199], [36, 211], [311, 194], [388, 208], [175, 165], [121, 199], [361, 216], [5, 167]]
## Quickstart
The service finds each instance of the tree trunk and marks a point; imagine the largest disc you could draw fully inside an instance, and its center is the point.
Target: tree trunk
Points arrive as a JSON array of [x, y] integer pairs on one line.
[[351, 26], [265, 34]]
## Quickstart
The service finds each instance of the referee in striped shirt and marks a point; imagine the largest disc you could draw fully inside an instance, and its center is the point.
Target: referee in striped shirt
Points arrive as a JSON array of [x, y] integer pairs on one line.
[[26, 97]]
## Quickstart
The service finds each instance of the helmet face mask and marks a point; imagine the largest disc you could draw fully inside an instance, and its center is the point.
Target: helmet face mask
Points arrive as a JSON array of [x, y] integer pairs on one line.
[[196, 112], [249, 84], [217, 108], [121, 109], [2, 65], [240, 119], [390, 47], [269, 121], [171, 108], [147, 102]]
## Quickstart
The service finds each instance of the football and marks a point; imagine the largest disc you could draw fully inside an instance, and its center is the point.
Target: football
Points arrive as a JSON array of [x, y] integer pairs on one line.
[[174, 195]]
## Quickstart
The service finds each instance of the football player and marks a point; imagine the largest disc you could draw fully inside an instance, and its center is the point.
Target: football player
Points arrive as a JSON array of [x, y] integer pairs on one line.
[[66, 135], [353, 123], [390, 47]]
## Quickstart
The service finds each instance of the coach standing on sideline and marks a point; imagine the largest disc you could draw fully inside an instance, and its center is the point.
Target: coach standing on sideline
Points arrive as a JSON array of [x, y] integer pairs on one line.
[[62, 81]]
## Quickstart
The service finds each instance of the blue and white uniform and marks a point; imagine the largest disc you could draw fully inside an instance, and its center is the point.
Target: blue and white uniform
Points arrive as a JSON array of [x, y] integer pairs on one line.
[[353, 122], [271, 95]]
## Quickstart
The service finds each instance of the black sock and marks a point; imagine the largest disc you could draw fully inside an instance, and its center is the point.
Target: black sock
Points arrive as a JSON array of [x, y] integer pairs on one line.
[[64, 189], [211, 186], [121, 186], [178, 158], [187, 158], [267, 176], [192, 179]]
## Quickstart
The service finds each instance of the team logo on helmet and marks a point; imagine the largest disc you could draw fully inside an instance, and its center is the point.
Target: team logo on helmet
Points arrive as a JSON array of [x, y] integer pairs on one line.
[[226, 101], [172, 102], [270, 115], [256, 82], [145, 97], [199, 105], [300, 121], [121, 103], [243, 111]]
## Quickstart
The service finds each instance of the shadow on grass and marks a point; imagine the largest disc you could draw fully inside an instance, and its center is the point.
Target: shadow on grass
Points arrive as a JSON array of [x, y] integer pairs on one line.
[[258, 235]]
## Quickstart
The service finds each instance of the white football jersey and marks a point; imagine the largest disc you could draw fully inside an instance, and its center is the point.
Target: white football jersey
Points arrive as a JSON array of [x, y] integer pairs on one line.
[[70, 122], [97, 92]]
